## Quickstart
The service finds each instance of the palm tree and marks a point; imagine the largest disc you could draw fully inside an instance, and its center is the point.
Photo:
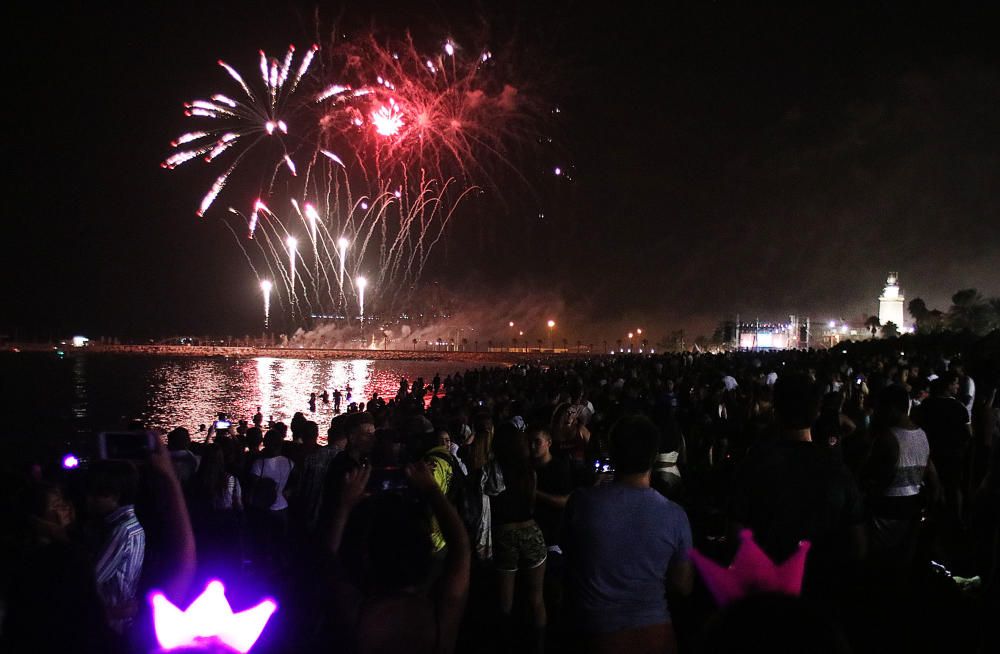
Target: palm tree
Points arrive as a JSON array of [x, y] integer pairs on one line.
[[890, 329], [414, 345], [539, 345], [995, 306], [919, 311], [513, 343], [618, 342], [969, 312], [465, 344], [873, 323]]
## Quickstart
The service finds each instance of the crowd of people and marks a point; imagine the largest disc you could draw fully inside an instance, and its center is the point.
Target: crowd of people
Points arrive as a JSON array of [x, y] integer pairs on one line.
[[549, 507]]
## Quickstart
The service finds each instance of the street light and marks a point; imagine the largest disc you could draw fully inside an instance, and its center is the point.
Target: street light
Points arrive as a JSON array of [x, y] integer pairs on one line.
[[552, 340]]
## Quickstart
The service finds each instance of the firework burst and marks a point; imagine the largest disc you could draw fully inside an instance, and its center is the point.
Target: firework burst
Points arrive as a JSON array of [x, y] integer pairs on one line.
[[413, 134], [242, 123], [446, 114]]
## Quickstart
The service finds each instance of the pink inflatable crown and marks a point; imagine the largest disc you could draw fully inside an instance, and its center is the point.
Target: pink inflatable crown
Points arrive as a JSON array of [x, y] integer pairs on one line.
[[752, 572]]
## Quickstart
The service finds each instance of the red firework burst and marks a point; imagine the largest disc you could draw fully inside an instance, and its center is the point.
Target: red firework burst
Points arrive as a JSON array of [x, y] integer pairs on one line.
[[450, 114]]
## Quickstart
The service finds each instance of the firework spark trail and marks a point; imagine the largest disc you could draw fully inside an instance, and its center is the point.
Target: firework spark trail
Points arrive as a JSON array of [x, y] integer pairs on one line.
[[417, 222], [303, 67], [292, 252], [239, 242], [213, 192], [279, 253], [236, 76], [263, 71], [265, 287], [312, 221], [187, 138], [286, 65]]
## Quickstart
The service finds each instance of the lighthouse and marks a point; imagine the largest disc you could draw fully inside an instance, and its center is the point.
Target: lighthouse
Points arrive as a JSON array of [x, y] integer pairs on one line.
[[890, 305]]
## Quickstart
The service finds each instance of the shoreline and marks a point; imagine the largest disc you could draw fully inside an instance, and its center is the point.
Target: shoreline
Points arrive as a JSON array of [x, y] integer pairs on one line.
[[249, 352]]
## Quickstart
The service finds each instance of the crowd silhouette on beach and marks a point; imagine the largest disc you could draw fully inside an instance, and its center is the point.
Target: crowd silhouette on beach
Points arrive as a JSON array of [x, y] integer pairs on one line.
[[559, 506]]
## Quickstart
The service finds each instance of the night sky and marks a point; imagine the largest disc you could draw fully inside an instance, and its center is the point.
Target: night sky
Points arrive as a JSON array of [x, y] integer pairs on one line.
[[728, 158]]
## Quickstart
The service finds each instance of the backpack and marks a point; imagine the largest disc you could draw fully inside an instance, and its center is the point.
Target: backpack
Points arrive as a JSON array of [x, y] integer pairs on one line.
[[263, 492], [465, 494]]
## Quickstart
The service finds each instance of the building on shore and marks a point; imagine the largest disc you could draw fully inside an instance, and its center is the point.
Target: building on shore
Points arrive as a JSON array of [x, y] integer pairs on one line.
[[890, 304]]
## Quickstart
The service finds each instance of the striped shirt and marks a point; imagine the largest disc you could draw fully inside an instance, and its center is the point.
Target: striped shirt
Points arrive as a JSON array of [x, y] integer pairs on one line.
[[232, 495], [120, 561], [914, 453]]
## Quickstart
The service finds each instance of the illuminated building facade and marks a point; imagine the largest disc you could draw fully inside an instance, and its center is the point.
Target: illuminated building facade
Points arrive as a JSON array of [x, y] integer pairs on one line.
[[890, 304]]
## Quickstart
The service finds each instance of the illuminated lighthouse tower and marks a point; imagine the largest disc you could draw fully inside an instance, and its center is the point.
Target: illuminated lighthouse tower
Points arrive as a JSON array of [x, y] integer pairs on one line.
[[890, 305]]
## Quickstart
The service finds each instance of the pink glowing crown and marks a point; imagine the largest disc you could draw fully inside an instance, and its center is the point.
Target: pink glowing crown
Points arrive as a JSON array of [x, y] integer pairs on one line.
[[209, 620], [752, 572]]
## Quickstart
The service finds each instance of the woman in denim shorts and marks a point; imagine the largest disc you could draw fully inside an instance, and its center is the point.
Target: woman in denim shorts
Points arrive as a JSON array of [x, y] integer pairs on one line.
[[518, 544]]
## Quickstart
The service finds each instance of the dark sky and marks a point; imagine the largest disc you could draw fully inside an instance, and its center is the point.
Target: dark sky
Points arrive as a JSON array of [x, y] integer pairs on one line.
[[729, 158]]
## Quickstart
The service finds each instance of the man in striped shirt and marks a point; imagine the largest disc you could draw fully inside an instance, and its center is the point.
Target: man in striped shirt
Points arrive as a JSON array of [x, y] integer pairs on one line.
[[110, 492]]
